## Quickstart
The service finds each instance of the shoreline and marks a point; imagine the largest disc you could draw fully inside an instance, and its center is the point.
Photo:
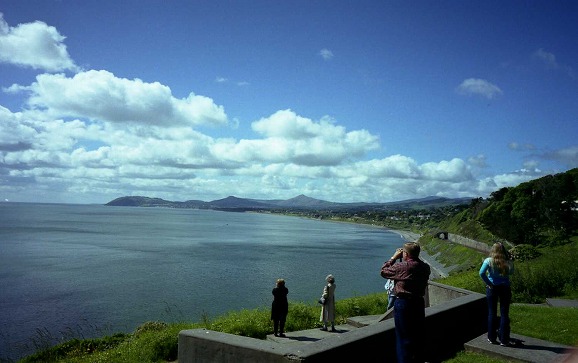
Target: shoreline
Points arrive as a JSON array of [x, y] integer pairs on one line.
[[437, 269]]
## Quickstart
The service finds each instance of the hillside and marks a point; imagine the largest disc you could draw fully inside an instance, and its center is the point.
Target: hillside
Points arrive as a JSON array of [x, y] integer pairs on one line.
[[543, 211], [300, 202]]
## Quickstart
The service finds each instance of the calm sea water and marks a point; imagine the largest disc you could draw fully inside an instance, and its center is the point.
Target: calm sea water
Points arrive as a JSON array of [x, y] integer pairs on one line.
[[87, 270]]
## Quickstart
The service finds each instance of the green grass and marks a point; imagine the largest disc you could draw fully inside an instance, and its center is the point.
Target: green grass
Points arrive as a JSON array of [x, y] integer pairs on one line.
[[157, 341], [469, 357], [543, 322]]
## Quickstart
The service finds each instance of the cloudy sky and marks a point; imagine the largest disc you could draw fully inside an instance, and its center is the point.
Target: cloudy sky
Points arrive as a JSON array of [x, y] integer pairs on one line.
[[344, 101]]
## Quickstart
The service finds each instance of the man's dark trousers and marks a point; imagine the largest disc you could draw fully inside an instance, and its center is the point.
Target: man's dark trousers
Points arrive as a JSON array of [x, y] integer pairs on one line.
[[409, 317]]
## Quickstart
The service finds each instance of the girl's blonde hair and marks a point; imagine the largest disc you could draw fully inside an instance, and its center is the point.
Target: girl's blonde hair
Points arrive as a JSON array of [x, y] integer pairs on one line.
[[500, 259]]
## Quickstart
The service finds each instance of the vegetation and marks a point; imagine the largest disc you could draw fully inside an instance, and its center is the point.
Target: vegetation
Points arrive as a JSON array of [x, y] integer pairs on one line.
[[539, 212], [553, 274], [157, 341]]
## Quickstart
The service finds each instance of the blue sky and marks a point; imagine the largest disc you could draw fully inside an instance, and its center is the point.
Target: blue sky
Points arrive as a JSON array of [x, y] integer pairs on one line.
[[345, 101]]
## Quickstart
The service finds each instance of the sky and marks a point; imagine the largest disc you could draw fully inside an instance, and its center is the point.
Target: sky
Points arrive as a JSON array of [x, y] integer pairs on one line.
[[344, 101]]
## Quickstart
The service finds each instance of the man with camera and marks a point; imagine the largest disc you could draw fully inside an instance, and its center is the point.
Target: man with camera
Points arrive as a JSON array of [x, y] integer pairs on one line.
[[411, 276]]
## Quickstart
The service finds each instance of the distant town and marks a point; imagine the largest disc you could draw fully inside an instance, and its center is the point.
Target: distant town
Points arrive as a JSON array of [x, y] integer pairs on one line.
[[414, 212]]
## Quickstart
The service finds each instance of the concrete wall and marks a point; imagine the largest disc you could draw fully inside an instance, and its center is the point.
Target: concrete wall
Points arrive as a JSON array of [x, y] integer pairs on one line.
[[439, 293], [464, 241], [456, 317]]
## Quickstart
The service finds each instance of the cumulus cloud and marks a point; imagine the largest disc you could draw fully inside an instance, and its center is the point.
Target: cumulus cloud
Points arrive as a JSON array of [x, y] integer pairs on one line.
[[520, 147], [36, 45], [290, 138], [550, 62], [405, 168], [478, 161], [326, 54], [78, 154], [293, 155], [99, 95], [480, 87], [56, 146], [566, 156]]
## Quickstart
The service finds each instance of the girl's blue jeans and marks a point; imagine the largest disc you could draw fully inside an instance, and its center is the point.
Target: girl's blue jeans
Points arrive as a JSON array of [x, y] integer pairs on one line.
[[503, 294]]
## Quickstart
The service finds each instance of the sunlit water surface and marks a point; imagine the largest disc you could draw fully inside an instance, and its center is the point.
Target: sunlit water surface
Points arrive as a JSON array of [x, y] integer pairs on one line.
[[88, 270]]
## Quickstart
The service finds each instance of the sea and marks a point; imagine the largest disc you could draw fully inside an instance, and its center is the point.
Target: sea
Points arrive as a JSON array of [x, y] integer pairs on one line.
[[82, 271]]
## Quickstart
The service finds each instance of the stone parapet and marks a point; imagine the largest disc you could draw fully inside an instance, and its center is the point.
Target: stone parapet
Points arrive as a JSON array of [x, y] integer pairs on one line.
[[456, 317]]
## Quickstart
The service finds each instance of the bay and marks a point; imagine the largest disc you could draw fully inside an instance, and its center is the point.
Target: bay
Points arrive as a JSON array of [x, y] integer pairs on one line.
[[88, 270]]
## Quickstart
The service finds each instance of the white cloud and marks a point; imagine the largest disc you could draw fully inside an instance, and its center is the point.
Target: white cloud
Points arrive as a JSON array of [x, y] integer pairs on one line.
[[481, 87], [99, 95], [478, 161], [520, 147], [566, 156], [455, 170], [36, 45], [326, 54], [549, 60], [531, 164], [500, 181], [302, 141], [290, 155]]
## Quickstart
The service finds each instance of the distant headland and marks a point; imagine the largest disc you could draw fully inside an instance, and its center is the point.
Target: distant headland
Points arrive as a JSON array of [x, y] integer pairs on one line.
[[300, 202]]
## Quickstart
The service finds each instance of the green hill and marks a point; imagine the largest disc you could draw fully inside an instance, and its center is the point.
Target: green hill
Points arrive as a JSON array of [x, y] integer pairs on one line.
[[539, 212]]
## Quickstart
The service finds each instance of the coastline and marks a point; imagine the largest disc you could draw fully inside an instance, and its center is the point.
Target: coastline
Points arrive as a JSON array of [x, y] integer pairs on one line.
[[437, 269]]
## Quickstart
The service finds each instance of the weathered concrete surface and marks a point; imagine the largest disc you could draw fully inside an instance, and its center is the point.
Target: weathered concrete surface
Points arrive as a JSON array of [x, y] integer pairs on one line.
[[440, 293], [524, 349], [201, 345], [310, 335], [562, 303], [473, 244]]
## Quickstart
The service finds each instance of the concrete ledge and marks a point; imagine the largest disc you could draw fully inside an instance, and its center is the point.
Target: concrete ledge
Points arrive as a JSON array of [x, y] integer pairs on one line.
[[524, 349], [202, 345], [449, 325]]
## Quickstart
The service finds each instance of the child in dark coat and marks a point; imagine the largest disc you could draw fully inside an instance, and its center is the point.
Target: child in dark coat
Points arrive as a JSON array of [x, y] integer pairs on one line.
[[279, 308]]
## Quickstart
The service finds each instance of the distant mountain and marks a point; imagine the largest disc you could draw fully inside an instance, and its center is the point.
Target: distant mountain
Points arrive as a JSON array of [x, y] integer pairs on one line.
[[301, 202], [234, 202]]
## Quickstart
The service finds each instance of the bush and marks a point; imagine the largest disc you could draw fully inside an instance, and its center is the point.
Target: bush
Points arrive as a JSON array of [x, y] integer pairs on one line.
[[524, 252], [150, 326]]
